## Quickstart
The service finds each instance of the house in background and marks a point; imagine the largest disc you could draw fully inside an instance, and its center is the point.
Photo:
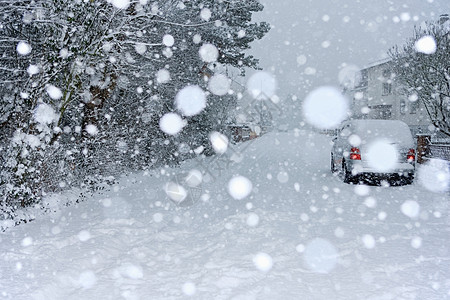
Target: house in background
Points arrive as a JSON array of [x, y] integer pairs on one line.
[[376, 96]]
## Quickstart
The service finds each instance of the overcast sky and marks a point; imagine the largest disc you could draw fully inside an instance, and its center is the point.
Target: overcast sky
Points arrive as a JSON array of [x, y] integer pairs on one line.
[[312, 39]]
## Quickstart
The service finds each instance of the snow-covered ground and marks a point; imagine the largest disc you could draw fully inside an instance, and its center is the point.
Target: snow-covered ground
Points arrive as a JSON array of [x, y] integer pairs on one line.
[[300, 234]]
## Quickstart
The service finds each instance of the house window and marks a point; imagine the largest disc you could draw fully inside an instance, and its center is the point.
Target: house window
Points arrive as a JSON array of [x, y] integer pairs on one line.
[[364, 79], [387, 88], [402, 107], [413, 106], [383, 112], [386, 112]]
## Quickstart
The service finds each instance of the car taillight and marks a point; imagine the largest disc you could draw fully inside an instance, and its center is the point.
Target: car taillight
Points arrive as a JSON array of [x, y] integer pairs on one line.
[[355, 154], [411, 156]]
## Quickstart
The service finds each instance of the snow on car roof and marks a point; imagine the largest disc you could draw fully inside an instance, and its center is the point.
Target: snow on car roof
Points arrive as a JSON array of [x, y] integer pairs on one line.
[[394, 130]]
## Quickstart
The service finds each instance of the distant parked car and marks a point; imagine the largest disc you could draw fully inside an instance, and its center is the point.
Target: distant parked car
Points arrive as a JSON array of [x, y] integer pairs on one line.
[[374, 150]]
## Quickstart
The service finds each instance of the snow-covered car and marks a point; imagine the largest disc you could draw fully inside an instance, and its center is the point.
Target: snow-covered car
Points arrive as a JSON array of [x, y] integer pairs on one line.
[[374, 150]]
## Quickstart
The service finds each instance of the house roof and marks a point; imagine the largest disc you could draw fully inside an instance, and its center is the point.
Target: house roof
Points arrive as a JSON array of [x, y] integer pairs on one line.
[[377, 63]]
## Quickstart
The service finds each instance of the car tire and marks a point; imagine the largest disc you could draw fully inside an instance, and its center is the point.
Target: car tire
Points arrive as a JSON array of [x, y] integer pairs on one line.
[[409, 179], [348, 178], [333, 166]]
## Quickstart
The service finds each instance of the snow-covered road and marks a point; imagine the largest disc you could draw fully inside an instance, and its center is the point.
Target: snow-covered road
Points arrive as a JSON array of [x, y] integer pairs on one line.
[[300, 234]]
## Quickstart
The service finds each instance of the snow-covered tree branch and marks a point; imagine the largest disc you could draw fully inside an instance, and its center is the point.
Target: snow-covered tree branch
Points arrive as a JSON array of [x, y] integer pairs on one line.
[[421, 65], [84, 84]]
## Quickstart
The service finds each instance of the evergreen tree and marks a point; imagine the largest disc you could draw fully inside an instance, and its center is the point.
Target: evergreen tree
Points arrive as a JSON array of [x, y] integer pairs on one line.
[[84, 85]]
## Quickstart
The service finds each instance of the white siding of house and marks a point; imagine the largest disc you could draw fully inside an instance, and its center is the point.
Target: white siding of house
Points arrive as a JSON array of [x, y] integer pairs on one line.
[[386, 105]]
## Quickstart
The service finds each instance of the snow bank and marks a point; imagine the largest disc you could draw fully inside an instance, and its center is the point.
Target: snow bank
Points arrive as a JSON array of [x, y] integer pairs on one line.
[[307, 234]]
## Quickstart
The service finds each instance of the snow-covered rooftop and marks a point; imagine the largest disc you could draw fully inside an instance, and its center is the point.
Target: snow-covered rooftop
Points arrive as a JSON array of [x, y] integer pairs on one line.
[[377, 63]]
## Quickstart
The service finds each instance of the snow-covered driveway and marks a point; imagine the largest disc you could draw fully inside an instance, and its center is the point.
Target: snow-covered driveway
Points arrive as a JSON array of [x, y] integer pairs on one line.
[[300, 234]]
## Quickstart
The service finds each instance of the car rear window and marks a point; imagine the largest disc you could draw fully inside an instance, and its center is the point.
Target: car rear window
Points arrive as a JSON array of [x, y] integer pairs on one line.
[[395, 131]]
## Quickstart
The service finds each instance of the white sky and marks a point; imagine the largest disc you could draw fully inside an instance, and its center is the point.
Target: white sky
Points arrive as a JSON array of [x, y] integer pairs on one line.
[[332, 32]]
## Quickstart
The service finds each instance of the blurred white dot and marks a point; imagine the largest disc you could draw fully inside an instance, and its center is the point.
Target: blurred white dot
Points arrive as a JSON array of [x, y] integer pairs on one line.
[[239, 187], [189, 289], [106, 202], [129, 270], [413, 97], [252, 220], [354, 140], [91, 129], [208, 53], [382, 155], [263, 262], [362, 190], [56, 230], [310, 71], [426, 45], [205, 14], [219, 85], [190, 100], [163, 76], [370, 202], [84, 235], [32, 70], [339, 232], [23, 48], [45, 114], [405, 17], [87, 279], [365, 110], [382, 215], [19, 266], [301, 60], [140, 48], [283, 177], [416, 242], [350, 76], [168, 40], [300, 248], [410, 208], [326, 44], [325, 108], [158, 217], [197, 38], [54, 92], [304, 217], [28, 241], [368, 241], [64, 53], [320, 255], [219, 142], [434, 175], [171, 123]]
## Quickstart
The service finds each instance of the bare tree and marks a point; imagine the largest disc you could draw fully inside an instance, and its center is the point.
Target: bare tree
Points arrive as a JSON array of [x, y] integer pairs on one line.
[[422, 66]]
